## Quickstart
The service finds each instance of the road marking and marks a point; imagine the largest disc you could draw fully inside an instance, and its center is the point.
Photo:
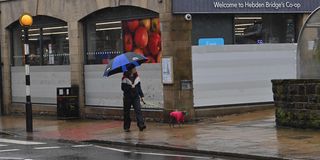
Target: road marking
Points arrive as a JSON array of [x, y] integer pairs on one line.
[[84, 145], [9, 150], [3, 140], [156, 154], [172, 155], [12, 158], [113, 149], [3, 145], [53, 147]]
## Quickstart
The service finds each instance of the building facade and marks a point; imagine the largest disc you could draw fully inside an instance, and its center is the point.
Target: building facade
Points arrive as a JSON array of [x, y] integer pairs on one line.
[[239, 46], [72, 41]]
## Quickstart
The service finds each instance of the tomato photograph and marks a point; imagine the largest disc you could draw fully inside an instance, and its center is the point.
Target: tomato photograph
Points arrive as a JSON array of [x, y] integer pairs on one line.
[[143, 36]]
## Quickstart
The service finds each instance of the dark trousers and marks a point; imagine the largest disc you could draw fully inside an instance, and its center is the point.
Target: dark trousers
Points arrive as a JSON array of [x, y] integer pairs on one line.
[[127, 103]]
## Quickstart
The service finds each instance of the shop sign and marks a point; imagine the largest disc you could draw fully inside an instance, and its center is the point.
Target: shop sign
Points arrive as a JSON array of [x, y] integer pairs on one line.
[[210, 41], [244, 6]]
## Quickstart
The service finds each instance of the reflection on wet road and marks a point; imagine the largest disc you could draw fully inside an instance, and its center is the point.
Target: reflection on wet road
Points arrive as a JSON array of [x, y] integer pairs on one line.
[[249, 134], [19, 149]]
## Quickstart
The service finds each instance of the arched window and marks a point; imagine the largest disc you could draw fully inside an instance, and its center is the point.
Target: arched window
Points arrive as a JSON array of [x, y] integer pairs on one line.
[[308, 53], [112, 31], [48, 42]]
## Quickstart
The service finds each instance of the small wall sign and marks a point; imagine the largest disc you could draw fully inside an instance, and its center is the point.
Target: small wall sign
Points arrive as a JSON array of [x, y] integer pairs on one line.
[[167, 70]]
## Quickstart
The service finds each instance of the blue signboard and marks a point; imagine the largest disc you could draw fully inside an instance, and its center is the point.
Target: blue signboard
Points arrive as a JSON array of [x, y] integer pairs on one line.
[[210, 41], [244, 6]]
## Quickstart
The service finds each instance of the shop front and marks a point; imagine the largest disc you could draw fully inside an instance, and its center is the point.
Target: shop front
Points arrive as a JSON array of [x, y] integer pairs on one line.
[[110, 32], [246, 21], [240, 45], [72, 41], [225, 53], [49, 59]]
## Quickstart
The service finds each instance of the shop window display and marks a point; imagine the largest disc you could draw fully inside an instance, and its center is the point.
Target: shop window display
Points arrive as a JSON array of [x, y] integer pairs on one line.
[[48, 44], [265, 28], [107, 39], [143, 37], [103, 41]]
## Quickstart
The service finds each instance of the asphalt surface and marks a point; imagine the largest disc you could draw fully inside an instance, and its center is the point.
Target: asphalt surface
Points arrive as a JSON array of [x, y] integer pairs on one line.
[[250, 135], [13, 148]]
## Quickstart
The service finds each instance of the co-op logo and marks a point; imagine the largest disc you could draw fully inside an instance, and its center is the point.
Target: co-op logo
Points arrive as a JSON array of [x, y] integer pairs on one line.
[[293, 5], [278, 5]]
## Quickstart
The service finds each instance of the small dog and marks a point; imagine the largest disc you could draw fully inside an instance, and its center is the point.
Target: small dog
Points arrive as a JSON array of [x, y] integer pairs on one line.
[[177, 117]]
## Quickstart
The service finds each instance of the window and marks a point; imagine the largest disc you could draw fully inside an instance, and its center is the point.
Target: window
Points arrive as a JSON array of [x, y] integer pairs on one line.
[[107, 39], [104, 41], [265, 28], [48, 43], [115, 30]]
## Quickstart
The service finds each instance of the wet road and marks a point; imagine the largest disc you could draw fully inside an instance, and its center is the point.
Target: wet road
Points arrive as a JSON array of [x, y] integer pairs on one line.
[[18, 149], [247, 134]]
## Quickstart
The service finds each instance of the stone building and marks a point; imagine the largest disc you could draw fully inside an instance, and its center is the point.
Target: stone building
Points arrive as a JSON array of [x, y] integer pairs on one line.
[[70, 44], [214, 53]]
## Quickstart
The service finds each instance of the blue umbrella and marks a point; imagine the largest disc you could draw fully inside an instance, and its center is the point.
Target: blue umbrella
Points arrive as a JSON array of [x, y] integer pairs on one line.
[[124, 62]]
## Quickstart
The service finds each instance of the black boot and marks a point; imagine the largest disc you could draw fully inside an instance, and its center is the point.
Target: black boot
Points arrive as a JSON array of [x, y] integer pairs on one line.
[[141, 128]]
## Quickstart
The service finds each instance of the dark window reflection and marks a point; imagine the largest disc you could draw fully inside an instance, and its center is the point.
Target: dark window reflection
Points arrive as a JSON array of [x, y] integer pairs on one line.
[[48, 45], [104, 41], [265, 28]]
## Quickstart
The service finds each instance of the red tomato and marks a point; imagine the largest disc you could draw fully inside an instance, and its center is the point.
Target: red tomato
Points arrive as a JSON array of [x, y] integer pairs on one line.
[[138, 51], [141, 37], [128, 42], [146, 51], [133, 25], [151, 59], [154, 44], [146, 23]]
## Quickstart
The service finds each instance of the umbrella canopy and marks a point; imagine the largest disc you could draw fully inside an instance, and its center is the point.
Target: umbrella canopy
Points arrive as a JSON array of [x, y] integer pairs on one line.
[[124, 62]]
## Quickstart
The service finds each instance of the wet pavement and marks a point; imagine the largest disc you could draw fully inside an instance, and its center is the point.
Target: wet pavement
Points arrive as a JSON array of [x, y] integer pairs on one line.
[[252, 134], [13, 148]]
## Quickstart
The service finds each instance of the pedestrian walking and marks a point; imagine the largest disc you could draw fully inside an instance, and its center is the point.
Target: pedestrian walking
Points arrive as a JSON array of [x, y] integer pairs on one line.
[[132, 94]]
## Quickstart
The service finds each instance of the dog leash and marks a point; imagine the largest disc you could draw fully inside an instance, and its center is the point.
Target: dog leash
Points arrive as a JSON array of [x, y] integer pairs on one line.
[[150, 104]]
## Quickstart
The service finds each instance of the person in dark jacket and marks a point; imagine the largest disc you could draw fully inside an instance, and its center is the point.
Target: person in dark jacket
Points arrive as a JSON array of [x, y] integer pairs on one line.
[[132, 94]]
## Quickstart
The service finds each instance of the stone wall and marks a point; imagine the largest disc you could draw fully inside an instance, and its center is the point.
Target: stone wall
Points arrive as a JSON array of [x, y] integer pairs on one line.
[[297, 102]]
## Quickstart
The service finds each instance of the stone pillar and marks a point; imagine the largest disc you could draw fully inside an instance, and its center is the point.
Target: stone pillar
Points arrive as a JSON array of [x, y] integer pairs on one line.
[[6, 76], [75, 34], [176, 42]]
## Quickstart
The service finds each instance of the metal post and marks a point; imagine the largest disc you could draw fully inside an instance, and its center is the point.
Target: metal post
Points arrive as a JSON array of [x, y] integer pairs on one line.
[[28, 96]]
